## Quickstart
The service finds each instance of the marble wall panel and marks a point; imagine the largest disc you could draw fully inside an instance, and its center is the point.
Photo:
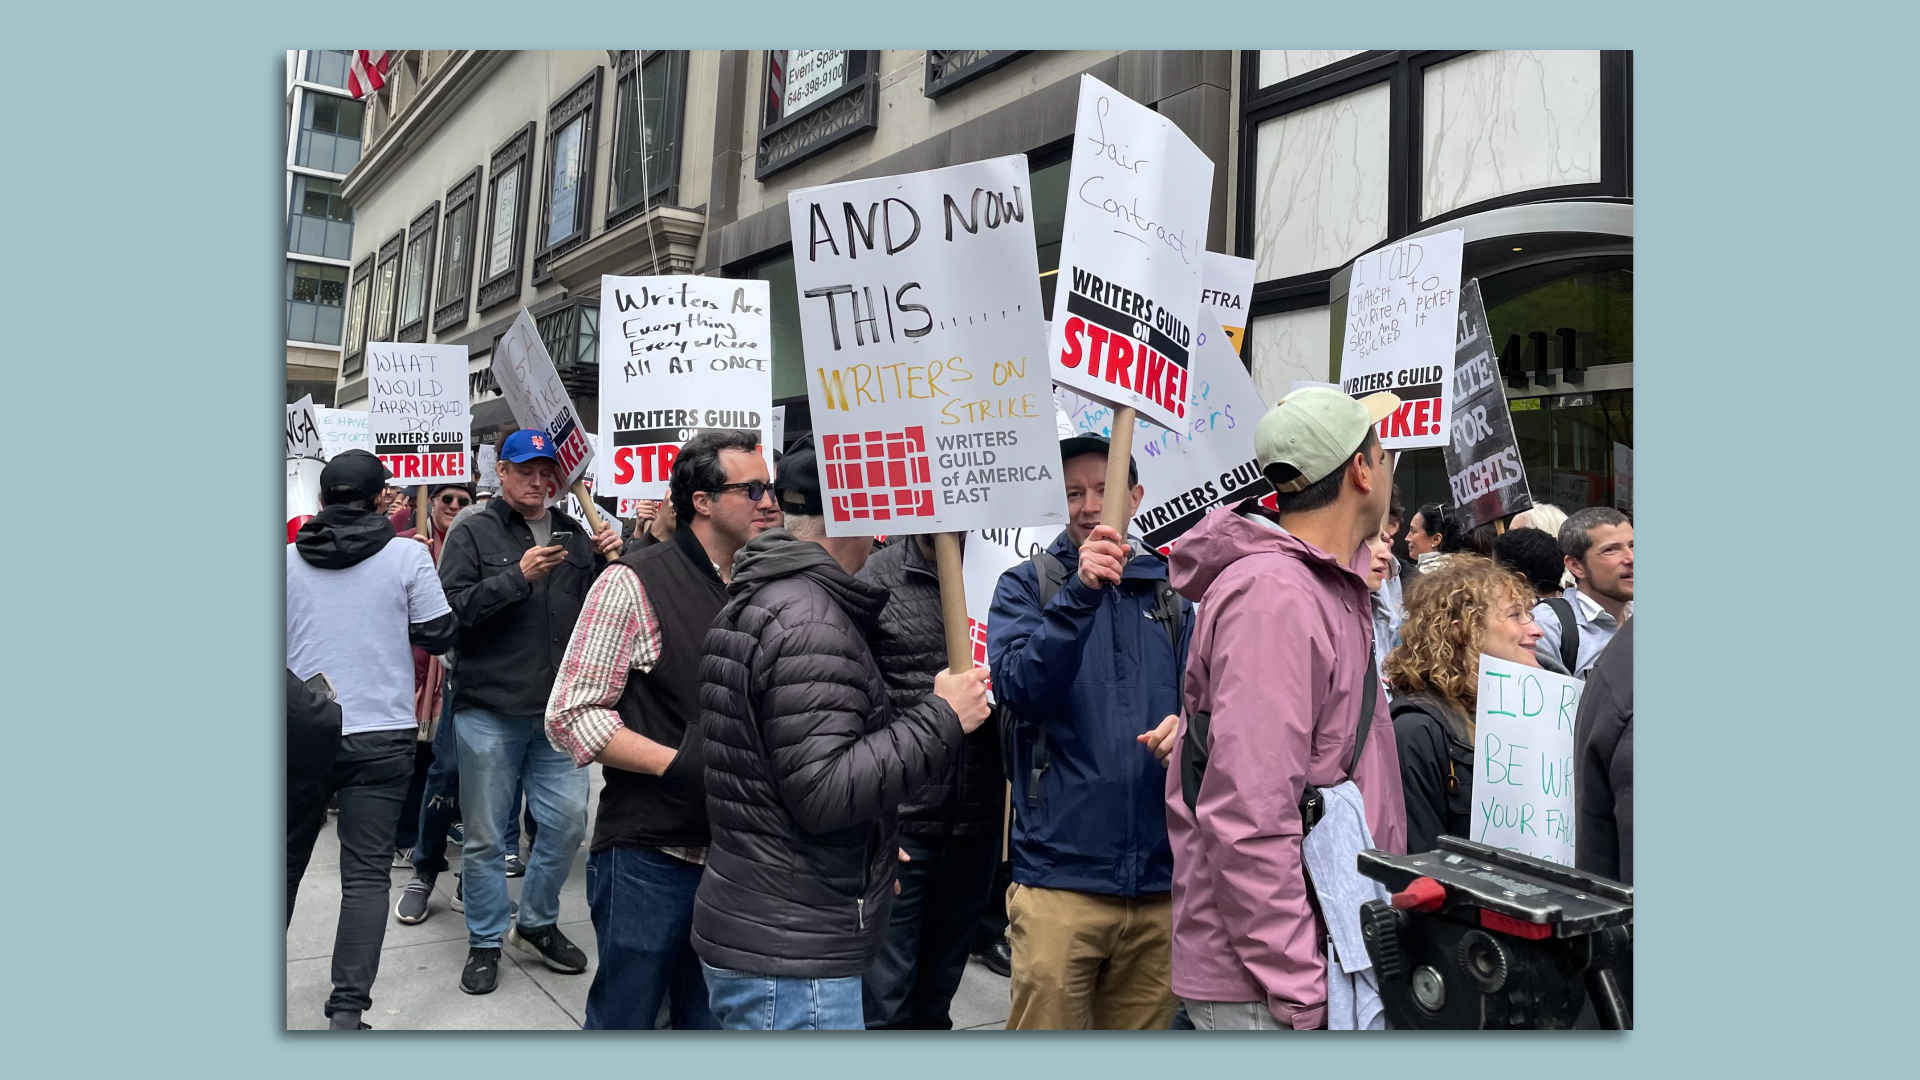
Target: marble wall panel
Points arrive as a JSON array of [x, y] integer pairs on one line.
[[1279, 65], [1495, 123], [1288, 346], [1320, 185]]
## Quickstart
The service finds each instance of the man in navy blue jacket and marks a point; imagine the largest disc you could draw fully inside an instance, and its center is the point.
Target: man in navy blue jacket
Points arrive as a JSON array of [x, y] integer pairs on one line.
[[1087, 643]]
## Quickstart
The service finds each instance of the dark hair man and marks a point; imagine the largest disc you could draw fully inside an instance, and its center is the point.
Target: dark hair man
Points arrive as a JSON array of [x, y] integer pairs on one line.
[[356, 603], [626, 697], [1087, 658], [808, 762], [517, 584], [1597, 544], [1534, 555], [1279, 690]]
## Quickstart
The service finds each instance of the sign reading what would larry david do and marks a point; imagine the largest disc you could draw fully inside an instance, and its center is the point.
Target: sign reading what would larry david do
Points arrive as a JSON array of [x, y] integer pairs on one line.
[[417, 412]]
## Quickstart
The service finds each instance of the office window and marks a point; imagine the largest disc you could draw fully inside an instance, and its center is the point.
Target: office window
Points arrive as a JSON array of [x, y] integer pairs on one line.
[[417, 277], [789, 366], [563, 181], [566, 212], [357, 317], [456, 253], [386, 275], [328, 67], [647, 109], [316, 302], [329, 132], [319, 221], [813, 99], [502, 238]]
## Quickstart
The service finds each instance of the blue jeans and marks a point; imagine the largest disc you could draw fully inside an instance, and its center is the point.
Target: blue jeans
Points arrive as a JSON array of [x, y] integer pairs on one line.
[[743, 1001], [497, 755], [642, 905]]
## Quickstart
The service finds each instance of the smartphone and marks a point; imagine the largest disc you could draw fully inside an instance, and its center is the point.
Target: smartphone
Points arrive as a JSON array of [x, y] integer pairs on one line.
[[322, 685], [560, 536]]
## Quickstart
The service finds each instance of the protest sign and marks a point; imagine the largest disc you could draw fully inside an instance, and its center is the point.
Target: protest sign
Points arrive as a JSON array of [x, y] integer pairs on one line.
[[489, 469], [417, 412], [1523, 760], [1623, 476], [1132, 253], [780, 428], [989, 554], [303, 430], [342, 430], [679, 355], [539, 401], [1482, 456], [1226, 292], [921, 318], [1401, 308]]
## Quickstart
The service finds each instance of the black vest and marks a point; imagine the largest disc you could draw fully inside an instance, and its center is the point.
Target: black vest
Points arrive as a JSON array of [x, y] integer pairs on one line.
[[669, 810]]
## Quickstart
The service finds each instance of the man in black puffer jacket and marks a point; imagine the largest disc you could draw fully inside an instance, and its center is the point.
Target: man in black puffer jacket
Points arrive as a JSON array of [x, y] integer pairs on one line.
[[950, 829], [808, 762]]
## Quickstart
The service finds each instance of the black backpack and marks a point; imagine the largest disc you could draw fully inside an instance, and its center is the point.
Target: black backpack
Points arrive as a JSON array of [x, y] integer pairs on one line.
[[1569, 632], [1169, 610]]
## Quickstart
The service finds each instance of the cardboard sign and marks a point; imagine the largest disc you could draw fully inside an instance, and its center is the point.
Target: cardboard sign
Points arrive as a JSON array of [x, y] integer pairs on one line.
[[1226, 292], [489, 458], [303, 430], [342, 430], [539, 401], [1523, 760], [679, 355], [417, 412], [1132, 256], [1399, 335], [1482, 456], [921, 317]]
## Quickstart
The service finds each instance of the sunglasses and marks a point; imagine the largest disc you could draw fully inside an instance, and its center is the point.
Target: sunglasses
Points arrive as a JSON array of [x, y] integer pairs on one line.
[[755, 489], [451, 499]]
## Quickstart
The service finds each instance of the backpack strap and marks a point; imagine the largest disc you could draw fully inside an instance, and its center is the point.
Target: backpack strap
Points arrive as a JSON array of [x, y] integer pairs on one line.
[[1569, 631]]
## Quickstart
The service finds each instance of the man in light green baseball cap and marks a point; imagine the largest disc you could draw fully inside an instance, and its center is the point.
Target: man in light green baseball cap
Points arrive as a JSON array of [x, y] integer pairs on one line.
[[1313, 431]]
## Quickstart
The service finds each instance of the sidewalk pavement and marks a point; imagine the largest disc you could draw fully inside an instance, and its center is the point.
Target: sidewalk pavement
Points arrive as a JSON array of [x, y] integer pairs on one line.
[[419, 984]]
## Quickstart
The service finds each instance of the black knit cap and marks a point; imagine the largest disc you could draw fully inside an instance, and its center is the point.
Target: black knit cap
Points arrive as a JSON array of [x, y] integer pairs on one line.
[[354, 474], [796, 482]]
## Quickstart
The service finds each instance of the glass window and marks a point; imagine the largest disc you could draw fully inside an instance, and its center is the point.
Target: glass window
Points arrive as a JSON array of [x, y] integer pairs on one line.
[[316, 296], [643, 168], [328, 67], [789, 366], [319, 222], [563, 184], [1049, 225], [384, 277], [796, 78], [357, 314], [1320, 184], [413, 298], [1495, 123], [506, 201], [456, 254], [329, 133]]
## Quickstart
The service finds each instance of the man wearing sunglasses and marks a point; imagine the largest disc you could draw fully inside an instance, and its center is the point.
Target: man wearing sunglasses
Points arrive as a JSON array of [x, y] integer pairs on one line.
[[629, 688]]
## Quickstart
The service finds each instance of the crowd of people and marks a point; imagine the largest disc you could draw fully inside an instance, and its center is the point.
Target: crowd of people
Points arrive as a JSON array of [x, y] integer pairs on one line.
[[809, 821]]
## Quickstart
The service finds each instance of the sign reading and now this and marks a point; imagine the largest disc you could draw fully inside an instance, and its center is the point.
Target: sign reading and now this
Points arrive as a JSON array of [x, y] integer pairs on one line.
[[679, 356], [539, 401], [1399, 335], [417, 412], [1482, 456], [921, 320], [1132, 255], [1523, 782]]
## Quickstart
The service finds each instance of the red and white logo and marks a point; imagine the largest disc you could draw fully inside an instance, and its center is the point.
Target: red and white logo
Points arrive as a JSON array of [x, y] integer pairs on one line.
[[875, 476]]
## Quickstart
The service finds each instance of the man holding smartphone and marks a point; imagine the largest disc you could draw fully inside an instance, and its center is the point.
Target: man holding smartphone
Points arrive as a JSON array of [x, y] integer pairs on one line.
[[516, 575]]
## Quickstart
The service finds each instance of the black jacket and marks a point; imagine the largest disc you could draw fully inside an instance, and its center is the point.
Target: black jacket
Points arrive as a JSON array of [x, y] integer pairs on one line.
[[1603, 764], [807, 765], [513, 633], [968, 798], [1432, 739]]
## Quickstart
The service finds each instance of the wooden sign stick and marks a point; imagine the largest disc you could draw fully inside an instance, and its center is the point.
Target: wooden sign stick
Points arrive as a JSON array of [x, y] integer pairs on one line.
[[1116, 502], [422, 513], [953, 601], [593, 512]]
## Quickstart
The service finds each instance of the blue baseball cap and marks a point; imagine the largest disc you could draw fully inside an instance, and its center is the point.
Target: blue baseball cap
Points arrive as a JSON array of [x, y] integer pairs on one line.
[[527, 444]]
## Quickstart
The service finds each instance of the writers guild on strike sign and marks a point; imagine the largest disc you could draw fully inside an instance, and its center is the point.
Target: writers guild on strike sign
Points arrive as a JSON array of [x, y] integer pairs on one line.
[[1126, 340], [646, 442]]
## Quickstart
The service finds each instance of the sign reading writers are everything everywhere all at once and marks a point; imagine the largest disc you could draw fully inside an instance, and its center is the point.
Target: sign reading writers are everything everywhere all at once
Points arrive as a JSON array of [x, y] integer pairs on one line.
[[417, 412], [1132, 257], [921, 318], [679, 355], [1523, 759], [1399, 335]]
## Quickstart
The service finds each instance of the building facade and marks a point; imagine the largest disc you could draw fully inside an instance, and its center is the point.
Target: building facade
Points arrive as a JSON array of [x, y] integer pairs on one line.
[[323, 145], [492, 181]]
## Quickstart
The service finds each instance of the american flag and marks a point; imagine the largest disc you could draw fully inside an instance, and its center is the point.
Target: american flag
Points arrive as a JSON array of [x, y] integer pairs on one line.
[[368, 72]]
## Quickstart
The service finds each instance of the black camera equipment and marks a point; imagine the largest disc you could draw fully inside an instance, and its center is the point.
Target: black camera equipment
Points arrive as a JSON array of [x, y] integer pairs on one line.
[[1477, 937]]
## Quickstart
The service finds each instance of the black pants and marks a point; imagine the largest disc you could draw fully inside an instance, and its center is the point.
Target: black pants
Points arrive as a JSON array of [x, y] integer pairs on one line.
[[993, 920], [369, 773], [943, 889]]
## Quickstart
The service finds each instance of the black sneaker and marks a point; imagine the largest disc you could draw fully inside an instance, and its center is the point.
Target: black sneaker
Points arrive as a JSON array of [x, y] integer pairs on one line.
[[998, 957], [551, 945], [460, 900], [347, 1021], [516, 866], [482, 972], [415, 901]]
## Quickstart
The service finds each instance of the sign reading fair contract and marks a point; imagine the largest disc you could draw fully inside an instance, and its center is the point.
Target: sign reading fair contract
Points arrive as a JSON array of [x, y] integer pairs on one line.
[[1523, 760], [921, 318], [539, 401], [1132, 256], [1399, 335], [679, 356], [417, 412], [1482, 456]]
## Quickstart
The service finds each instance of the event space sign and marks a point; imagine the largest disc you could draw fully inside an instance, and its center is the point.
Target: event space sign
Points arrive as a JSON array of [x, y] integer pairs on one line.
[[1401, 315], [1132, 258], [532, 387], [1482, 456], [342, 430], [920, 314], [417, 412], [679, 355], [1523, 793], [303, 430]]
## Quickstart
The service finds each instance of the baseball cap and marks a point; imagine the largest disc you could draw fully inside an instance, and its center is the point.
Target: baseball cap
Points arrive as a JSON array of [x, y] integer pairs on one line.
[[1315, 430], [1074, 443], [359, 473], [796, 481], [527, 444]]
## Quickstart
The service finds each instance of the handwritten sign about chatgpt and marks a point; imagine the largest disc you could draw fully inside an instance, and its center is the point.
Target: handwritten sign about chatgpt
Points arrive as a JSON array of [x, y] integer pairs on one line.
[[921, 319], [1132, 257], [1399, 335], [417, 412], [532, 387], [1482, 455], [1523, 759], [679, 356]]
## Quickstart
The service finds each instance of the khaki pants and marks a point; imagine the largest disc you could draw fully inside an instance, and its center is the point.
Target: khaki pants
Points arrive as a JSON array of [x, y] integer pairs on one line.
[[1082, 960]]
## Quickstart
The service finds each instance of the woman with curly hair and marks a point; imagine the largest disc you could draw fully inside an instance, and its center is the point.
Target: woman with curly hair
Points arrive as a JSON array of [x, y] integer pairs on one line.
[[1467, 606]]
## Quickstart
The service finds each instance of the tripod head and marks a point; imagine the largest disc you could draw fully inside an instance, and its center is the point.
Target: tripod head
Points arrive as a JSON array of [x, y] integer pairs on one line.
[[1477, 937]]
